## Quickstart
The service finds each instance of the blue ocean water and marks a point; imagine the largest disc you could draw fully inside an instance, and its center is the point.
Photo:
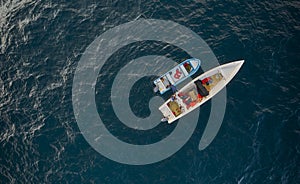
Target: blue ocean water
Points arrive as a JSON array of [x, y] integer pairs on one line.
[[41, 45]]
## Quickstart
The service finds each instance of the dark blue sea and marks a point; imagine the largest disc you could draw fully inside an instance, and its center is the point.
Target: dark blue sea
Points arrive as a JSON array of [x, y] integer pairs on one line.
[[42, 43]]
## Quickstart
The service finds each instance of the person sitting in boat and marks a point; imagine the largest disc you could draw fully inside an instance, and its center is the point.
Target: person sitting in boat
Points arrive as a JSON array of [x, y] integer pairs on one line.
[[207, 81], [174, 89], [182, 95], [173, 97], [165, 82], [188, 67], [185, 98]]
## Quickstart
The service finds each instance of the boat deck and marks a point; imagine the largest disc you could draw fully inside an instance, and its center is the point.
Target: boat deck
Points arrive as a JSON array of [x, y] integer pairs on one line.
[[189, 97], [177, 74]]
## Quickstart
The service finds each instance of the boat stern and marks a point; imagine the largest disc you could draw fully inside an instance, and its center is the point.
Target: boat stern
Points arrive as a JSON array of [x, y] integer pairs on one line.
[[164, 109]]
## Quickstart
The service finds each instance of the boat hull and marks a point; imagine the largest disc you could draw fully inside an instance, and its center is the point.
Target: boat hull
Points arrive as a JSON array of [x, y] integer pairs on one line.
[[199, 90]]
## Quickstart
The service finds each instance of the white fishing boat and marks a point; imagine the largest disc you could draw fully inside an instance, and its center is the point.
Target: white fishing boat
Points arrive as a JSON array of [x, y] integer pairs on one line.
[[176, 75], [199, 91]]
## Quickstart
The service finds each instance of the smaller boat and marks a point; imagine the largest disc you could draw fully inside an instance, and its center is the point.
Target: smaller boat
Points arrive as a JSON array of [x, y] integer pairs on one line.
[[199, 91], [176, 75]]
